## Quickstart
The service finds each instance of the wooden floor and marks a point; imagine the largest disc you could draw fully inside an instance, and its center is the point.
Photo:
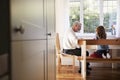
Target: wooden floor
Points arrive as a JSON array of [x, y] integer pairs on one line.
[[96, 74]]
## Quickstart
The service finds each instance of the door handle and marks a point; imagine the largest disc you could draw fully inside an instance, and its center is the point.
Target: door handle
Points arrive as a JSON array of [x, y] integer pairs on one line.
[[20, 29], [49, 34]]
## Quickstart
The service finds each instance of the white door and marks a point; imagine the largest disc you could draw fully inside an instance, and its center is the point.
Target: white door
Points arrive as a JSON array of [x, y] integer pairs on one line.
[[29, 40]]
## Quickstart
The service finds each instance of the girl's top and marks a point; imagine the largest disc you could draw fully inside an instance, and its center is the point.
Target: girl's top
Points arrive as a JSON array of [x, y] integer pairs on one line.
[[102, 47]]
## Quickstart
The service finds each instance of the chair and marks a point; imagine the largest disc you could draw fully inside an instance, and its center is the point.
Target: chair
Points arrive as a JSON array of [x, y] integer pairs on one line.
[[61, 55]]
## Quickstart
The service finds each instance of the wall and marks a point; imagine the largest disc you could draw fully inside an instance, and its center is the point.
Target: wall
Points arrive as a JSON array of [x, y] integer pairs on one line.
[[62, 17]]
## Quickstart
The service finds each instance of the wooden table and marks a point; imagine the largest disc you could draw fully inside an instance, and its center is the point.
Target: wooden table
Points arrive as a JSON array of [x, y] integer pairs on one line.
[[88, 43]]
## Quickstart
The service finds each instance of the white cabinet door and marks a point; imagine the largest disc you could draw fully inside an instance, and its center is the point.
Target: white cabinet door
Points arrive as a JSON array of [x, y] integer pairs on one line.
[[28, 60], [27, 20], [28, 32]]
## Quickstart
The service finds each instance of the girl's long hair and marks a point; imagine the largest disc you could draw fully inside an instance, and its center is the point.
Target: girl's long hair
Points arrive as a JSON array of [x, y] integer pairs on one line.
[[100, 31]]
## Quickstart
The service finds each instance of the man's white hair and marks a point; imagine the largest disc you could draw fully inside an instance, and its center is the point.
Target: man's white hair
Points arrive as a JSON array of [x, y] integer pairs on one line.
[[76, 23]]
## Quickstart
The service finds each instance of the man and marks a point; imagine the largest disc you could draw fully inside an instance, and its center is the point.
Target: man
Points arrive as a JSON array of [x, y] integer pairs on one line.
[[70, 42]]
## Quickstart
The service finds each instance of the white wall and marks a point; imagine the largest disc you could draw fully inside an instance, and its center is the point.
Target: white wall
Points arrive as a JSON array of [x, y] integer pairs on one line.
[[62, 16]]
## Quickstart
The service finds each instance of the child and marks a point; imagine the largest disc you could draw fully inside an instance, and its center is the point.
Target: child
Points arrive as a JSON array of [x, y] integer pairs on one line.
[[102, 49]]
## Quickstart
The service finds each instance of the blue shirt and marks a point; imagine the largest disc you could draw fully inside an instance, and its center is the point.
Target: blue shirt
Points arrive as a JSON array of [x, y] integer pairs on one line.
[[102, 47]]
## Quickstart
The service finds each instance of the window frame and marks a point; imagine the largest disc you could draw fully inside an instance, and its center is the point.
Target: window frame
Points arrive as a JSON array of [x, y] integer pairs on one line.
[[101, 14]]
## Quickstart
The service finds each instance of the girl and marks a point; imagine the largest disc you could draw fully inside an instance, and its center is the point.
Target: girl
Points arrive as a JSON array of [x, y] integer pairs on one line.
[[102, 49]]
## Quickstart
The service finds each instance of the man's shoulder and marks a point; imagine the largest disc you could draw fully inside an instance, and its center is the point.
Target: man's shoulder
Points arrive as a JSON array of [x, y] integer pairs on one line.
[[69, 30]]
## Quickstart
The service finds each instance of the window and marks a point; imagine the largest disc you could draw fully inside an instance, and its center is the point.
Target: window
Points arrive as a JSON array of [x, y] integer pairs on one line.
[[109, 13], [91, 15], [74, 11], [95, 13]]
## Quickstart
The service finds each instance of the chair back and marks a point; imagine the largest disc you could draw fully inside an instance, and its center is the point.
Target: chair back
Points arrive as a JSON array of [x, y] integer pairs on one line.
[[60, 55], [58, 43]]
